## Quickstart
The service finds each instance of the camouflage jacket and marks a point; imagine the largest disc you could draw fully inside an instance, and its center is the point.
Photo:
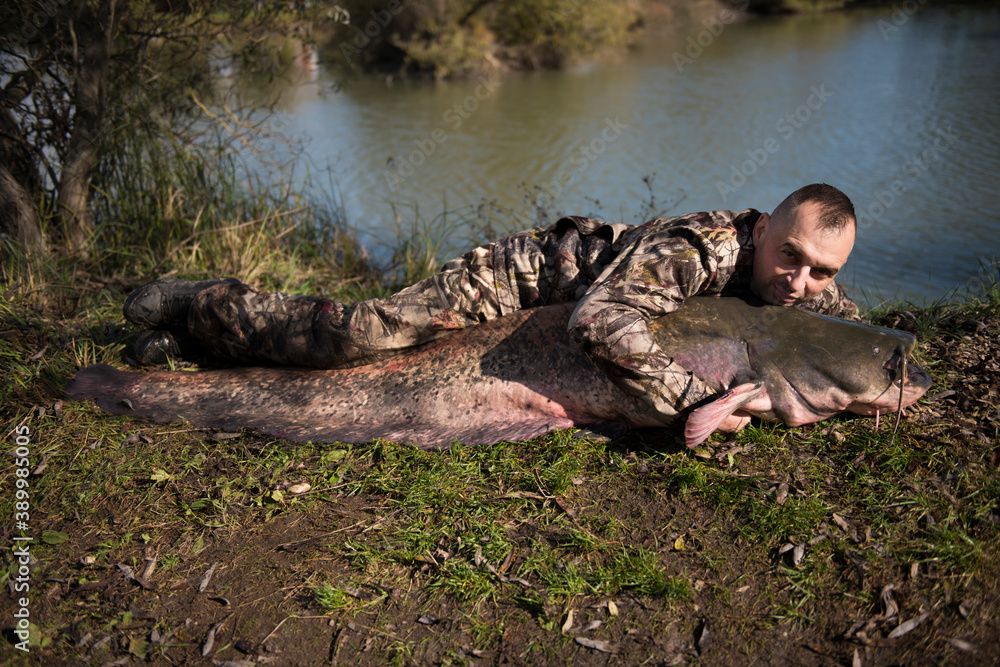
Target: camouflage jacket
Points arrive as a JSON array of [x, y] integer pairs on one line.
[[650, 270]]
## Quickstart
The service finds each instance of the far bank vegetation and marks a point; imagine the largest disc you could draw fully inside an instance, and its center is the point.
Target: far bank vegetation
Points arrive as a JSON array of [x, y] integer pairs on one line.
[[447, 38], [123, 122]]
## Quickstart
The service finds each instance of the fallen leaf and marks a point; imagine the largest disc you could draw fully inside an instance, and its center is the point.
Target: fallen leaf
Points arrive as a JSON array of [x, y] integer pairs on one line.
[[908, 626], [40, 468], [138, 647], [597, 645], [782, 494], [245, 646], [798, 553], [704, 641], [209, 643], [147, 571], [54, 537], [962, 645], [526, 495], [891, 609], [568, 623], [207, 578]]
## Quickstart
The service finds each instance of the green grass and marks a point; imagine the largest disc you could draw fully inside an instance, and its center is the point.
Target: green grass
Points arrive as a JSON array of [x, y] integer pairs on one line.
[[497, 543]]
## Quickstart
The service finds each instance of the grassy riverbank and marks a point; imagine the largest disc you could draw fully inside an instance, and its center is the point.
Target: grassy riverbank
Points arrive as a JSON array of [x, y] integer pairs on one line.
[[824, 544]]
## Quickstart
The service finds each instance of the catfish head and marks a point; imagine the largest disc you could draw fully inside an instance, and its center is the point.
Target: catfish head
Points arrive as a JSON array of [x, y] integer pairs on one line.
[[810, 367]]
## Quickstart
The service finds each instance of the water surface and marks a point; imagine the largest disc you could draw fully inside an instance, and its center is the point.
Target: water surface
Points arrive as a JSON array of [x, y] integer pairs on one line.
[[900, 111]]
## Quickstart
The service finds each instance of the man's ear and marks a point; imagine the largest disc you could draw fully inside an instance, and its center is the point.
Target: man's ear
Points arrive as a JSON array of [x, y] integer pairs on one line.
[[760, 227]]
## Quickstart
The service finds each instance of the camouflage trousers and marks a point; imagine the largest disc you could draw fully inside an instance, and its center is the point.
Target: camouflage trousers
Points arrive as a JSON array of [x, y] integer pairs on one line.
[[528, 269]]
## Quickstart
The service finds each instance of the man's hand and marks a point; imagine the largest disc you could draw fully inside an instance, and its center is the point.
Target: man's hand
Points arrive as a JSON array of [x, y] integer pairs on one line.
[[734, 422]]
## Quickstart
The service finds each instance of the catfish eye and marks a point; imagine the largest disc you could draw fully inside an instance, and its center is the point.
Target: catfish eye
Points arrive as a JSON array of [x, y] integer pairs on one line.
[[875, 349]]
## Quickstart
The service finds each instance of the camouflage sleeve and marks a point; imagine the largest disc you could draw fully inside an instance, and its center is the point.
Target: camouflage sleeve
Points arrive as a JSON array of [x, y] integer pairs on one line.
[[651, 279], [833, 301]]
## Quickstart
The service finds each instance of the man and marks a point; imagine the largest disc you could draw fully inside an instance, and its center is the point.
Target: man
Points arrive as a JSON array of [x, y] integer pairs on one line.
[[623, 277]]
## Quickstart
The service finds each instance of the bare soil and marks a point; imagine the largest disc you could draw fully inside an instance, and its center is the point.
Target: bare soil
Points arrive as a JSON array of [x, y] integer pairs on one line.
[[786, 547]]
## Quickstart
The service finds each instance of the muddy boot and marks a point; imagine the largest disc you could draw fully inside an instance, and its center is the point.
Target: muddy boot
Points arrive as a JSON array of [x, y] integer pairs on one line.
[[153, 346], [165, 302]]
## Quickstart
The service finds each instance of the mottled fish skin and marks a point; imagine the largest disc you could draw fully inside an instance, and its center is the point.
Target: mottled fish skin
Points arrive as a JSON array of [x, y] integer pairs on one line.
[[520, 376], [507, 379], [811, 366]]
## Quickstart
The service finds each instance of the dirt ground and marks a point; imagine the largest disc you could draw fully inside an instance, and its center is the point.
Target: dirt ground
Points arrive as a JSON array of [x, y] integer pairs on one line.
[[832, 544]]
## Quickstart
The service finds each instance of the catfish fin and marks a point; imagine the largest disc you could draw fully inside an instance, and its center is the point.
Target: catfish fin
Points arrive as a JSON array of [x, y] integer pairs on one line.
[[438, 437], [422, 436], [103, 383], [706, 419]]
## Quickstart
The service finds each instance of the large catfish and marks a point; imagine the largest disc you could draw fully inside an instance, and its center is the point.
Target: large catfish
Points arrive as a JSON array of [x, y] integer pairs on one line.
[[519, 376]]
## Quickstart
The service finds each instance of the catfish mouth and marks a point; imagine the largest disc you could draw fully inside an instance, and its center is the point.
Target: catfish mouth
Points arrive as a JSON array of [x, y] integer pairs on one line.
[[905, 383], [899, 372]]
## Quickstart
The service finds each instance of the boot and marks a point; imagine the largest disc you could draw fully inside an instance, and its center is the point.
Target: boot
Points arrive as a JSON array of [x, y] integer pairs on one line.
[[153, 346], [165, 302]]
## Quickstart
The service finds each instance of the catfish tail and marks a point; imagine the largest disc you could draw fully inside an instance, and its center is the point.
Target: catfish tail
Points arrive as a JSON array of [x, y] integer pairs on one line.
[[106, 385]]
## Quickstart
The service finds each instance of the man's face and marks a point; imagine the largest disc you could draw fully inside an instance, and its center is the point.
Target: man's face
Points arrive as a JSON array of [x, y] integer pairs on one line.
[[794, 259]]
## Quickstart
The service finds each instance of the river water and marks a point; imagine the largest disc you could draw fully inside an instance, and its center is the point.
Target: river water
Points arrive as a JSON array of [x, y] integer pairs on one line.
[[899, 108]]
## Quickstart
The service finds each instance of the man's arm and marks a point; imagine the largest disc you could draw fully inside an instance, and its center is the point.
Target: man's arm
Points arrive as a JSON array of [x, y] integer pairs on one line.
[[650, 280], [619, 343]]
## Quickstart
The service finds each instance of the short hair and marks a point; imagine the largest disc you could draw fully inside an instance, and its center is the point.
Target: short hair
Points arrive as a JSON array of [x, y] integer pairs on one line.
[[836, 210]]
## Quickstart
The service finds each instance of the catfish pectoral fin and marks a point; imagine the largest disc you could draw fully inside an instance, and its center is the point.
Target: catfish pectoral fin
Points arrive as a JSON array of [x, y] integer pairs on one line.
[[706, 419]]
